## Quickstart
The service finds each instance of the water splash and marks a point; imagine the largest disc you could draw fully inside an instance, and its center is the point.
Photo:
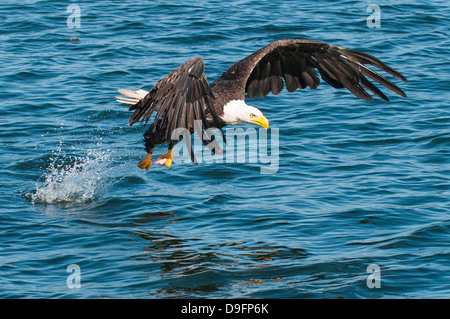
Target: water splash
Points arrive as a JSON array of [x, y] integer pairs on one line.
[[75, 179]]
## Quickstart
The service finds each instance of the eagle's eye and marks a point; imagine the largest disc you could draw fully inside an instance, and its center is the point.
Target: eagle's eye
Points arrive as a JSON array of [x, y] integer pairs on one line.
[[252, 115]]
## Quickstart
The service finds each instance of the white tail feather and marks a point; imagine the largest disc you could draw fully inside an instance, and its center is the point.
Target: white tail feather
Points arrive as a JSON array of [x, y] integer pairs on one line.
[[133, 96]]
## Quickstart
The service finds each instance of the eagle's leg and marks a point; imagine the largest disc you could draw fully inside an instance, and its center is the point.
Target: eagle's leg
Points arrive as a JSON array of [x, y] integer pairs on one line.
[[167, 158], [146, 162], [152, 139]]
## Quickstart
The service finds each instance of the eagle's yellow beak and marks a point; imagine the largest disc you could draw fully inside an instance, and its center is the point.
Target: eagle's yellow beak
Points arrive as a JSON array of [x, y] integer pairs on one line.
[[261, 121]]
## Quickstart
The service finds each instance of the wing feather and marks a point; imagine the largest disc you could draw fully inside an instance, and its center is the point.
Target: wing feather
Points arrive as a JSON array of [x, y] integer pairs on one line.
[[296, 60], [179, 99]]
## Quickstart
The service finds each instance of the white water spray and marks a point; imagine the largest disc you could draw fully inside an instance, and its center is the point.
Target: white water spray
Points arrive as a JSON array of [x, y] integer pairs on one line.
[[83, 180]]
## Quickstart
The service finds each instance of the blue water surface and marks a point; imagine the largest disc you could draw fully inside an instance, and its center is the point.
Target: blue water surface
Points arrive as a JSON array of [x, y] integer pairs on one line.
[[358, 183]]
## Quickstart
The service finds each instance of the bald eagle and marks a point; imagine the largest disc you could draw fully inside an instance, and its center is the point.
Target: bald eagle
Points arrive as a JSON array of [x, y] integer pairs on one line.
[[184, 96]]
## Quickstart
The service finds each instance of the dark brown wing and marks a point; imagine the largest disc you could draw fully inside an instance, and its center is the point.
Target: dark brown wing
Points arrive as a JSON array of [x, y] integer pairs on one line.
[[179, 99], [296, 61]]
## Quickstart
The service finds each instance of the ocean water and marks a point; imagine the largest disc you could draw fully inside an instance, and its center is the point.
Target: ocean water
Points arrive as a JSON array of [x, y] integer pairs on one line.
[[357, 202]]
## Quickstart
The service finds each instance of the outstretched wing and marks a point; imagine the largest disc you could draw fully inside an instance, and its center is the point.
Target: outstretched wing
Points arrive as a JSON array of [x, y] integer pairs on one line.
[[296, 61], [181, 98]]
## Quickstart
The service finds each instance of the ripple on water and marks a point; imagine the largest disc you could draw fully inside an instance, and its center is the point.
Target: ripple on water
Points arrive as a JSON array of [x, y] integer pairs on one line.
[[358, 182]]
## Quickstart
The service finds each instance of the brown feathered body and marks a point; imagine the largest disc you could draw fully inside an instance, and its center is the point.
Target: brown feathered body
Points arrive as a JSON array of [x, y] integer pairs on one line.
[[184, 95]]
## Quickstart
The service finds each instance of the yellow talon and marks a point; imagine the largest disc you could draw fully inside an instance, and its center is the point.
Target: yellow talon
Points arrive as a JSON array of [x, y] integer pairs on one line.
[[146, 162], [168, 163], [169, 157]]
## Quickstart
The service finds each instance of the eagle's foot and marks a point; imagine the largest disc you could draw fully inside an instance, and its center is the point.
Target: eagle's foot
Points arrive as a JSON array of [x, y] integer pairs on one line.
[[165, 159], [146, 162]]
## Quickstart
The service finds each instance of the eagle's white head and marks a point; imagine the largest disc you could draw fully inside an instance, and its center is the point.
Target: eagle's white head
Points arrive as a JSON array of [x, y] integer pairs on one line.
[[238, 112]]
